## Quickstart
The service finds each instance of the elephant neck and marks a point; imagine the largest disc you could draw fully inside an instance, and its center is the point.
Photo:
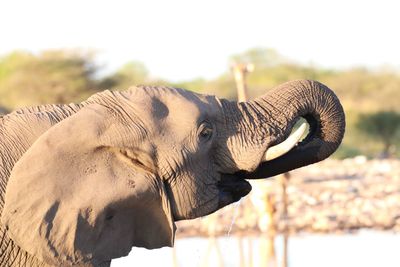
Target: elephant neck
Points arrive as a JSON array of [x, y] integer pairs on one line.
[[11, 255], [20, 129]]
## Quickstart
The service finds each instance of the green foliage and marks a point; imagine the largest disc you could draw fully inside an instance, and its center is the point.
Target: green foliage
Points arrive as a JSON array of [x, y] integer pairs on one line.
[[50, 77], [365, 91], [360, 90], [261, 58], [3, 111], [270, 69], [346, 151], [383, 126], [196, 85], [132, 73], [70, 76]]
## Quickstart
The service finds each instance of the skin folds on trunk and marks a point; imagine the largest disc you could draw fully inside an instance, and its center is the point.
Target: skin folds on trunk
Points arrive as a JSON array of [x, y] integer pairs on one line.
[[281, 108], [255, 126]]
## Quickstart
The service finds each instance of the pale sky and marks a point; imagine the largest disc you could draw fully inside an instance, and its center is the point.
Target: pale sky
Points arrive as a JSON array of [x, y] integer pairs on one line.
[[179, 40]]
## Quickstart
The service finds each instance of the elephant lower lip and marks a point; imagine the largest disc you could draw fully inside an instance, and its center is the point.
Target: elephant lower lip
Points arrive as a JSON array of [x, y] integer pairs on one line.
[[231, 189]]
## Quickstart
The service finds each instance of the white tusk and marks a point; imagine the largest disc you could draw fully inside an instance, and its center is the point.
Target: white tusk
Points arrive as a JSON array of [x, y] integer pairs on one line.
[[284, 147]]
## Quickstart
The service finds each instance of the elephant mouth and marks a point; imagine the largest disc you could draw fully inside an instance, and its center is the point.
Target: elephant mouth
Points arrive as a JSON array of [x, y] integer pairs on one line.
[[231, 189]]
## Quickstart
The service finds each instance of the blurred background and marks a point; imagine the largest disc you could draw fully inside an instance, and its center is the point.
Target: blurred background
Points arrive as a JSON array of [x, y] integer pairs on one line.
[[344, 211]]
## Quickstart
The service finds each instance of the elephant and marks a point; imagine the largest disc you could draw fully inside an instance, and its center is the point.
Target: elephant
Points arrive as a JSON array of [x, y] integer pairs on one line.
[[81, 184]]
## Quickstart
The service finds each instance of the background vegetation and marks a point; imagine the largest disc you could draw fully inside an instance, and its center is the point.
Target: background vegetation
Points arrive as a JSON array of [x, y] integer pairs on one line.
[[370, 97]]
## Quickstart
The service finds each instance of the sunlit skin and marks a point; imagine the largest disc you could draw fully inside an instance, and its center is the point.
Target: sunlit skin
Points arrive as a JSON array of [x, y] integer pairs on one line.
[[119, 169]]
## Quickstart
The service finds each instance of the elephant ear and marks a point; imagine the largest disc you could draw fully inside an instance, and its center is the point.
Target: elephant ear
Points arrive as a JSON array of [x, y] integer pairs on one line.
[[73, 198]]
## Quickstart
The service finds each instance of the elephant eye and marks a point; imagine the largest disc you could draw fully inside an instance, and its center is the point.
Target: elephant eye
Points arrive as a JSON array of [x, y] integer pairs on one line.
[[206, 131]]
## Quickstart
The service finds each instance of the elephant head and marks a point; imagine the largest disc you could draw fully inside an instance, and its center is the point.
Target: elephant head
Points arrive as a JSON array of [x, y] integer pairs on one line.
[[123, 168]]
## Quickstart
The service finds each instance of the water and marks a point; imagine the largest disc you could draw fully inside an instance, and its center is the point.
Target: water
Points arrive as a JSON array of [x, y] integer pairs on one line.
[[235, 213], [367, 248]]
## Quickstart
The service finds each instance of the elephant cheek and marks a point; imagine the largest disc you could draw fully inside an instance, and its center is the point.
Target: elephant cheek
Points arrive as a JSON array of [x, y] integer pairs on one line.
[[190, 205]]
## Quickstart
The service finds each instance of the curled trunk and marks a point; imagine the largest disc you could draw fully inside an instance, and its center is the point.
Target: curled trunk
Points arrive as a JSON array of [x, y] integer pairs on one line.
[[281, 108]]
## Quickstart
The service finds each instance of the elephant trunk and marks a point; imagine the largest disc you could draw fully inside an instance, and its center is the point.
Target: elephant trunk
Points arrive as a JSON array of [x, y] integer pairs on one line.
[[278, 111]]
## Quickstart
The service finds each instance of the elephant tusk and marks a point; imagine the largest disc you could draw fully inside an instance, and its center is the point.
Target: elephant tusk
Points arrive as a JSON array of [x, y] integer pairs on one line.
[[284, 147]]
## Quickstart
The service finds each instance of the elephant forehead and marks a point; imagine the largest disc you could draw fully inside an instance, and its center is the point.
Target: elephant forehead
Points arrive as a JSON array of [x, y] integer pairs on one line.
[[170, 106], [170, 114], [176, 108]]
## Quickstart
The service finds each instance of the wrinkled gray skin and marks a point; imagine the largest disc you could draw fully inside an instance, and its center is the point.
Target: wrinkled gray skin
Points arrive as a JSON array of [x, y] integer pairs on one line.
[[94, 179]]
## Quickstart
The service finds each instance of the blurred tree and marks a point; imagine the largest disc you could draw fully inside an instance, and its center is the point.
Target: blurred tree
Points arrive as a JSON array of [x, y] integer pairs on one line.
[[271, 69], [359, 88], [70, 76], [132, 73], [383, 126], [3, 111], [260, 57], [55, 76]]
